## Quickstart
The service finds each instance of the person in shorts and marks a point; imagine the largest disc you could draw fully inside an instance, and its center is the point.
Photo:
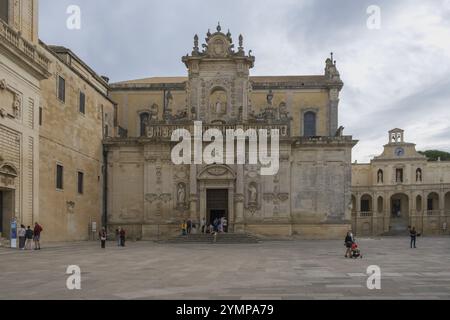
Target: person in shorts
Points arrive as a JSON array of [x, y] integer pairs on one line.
[[37, 236]]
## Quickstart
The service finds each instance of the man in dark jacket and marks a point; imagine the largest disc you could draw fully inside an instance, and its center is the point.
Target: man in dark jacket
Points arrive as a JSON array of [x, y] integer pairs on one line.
[[413, 234]]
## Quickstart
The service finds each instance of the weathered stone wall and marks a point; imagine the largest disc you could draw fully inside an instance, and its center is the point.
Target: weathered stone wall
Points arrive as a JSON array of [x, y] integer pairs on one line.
[[74, 140]]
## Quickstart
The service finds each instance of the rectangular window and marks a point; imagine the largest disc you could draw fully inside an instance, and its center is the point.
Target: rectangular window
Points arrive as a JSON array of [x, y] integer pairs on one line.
[[4, 10], [399, 175], [82, 103], [61, 89], [40, 116], [59, 177], [80, 182]]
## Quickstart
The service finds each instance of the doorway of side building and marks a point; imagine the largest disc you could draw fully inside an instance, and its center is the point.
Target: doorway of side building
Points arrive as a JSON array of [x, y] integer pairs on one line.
[[6, 212], [217, 204], [399, 221]]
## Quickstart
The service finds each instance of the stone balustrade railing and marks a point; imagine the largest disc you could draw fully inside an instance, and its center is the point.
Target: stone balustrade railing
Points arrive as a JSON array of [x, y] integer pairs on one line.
[[14, 38], [366, 214], [433, 212]]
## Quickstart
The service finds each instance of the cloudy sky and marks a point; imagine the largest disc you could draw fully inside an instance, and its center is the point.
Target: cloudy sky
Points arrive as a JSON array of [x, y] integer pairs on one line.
[[396, 76]]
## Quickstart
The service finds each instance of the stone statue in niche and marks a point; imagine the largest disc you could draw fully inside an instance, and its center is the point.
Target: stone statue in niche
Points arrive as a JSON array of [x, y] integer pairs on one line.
[[218, 101], [252, 194], [419, 175], [181, 194], [380, 176]]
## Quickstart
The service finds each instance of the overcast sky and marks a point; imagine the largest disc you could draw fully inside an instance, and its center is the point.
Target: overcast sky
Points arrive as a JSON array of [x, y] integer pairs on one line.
[[397, 76]]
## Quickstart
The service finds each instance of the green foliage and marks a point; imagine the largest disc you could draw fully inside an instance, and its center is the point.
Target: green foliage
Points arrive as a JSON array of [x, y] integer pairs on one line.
[[433, 155]]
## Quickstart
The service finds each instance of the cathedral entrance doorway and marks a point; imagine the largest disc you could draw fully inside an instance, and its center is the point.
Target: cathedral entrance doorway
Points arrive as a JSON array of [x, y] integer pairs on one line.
[[216, 204]]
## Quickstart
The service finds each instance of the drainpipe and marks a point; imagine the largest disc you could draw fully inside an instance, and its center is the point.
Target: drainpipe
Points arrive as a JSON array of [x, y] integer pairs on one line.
[[105, 187]]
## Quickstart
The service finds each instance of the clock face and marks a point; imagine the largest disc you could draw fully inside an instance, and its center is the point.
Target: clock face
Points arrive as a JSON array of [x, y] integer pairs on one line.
[[399, 152]]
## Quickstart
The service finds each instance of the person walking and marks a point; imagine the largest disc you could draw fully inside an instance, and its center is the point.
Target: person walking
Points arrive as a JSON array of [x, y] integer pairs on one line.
[[37, 236], [413, 234], [122, 237], [102, 235], [348, 244], [28, 238], [22, 233]]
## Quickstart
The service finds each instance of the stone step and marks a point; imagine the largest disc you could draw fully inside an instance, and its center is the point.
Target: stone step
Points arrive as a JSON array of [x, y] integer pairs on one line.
[[225, 238]]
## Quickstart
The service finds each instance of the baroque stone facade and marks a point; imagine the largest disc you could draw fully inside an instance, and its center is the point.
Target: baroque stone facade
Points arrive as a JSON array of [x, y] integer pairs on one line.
[[309, 196], [22, 66], [400, 189]]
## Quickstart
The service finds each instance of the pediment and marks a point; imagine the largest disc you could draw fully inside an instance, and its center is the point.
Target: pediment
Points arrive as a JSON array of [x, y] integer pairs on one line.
[[212, 172]]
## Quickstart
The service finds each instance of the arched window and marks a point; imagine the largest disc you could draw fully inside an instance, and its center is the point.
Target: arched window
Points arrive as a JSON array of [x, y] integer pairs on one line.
[[309, 124], [144, 118]]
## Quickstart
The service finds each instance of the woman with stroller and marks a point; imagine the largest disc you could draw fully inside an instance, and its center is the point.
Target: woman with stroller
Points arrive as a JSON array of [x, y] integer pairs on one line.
[[348, 244]]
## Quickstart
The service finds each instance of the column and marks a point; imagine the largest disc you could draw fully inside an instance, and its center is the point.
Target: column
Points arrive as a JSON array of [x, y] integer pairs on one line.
[[239, 214], [193, 198]]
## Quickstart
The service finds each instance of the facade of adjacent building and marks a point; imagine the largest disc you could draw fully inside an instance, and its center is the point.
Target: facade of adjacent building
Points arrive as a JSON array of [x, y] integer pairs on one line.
[[400, 189], [54, 114], [309, 196]]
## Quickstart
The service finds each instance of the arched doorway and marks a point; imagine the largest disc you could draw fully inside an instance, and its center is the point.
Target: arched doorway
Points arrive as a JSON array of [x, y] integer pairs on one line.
[[8, 174], [399, 221], [447, 203]]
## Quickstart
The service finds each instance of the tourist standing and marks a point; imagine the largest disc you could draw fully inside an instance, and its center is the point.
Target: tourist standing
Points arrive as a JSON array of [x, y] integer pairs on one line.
[[183, 228], [37, 236], [102, 235], [122, 237], [413, 235], [189, 226], [225, 224], [22, 233], [118, 236], [28, 238], [203, 225]]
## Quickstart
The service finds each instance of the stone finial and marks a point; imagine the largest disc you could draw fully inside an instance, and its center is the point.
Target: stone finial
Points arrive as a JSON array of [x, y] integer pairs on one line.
[[196, 49], [219, 28], [241, 42], [209, 33]]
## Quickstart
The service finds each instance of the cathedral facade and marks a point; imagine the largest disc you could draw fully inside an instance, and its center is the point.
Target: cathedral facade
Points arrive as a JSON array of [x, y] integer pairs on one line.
[[309, 196]]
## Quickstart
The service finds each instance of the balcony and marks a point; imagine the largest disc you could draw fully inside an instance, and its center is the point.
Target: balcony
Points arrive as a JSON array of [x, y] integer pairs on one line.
[[28, 54], [433, 212], [364, 214]]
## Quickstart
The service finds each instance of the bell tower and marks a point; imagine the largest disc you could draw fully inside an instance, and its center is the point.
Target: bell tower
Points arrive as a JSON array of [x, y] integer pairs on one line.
[[218, 85]]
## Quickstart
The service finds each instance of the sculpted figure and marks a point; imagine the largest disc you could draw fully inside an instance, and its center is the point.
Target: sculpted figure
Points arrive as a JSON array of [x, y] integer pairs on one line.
[[253, 194], [181, 193]]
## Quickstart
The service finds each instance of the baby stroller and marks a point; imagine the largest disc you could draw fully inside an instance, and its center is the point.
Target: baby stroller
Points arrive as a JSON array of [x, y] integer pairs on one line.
[[355, 252]]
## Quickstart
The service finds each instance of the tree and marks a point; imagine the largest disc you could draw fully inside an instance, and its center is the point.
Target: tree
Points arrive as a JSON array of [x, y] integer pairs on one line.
[[434, 155]]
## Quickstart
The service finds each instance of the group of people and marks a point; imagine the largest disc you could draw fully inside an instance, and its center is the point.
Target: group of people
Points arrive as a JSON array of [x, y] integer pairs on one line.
[[120, 237], [28, 235], [218, 225]]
